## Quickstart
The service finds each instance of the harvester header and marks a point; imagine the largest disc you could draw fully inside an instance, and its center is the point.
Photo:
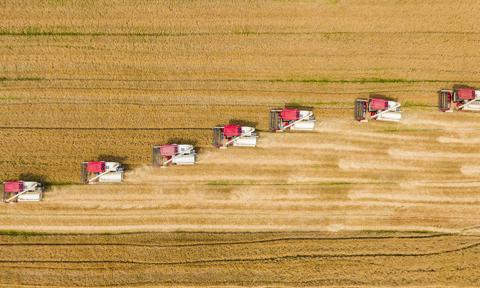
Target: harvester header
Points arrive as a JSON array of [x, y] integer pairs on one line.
[[460, 99], [173, 154], [292, 119], [101, 171], [20, 191], [377, 109], [234, 135]]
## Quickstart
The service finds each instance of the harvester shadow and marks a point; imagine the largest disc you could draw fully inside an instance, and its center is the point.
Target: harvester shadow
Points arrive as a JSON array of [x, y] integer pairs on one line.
[[114, 158], [181, 140], [35, 178], [381, 96], [459, 86], [242, 122], [247, 123], [298, 106]]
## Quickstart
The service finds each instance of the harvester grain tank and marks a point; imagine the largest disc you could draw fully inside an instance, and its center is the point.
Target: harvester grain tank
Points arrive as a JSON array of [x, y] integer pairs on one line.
[[460, 99], [284, 119], [173, 154], [101, 171], [234, 135], [377, 109], [22, 191]]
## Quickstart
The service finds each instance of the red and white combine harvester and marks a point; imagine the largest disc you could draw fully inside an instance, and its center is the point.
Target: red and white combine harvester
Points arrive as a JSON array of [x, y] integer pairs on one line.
[[234, 135], [377, 109], [101, 171], [301, 119], [460, 99], [173, 154], [19, 191]]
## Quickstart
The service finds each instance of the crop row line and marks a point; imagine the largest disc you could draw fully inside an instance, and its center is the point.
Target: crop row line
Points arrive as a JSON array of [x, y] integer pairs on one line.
[[259, 259], [234, 242]]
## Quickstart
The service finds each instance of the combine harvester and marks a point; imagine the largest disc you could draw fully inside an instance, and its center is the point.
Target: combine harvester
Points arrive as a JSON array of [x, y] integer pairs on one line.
[[301, 119], [460, 99], [378, 109], [173, 154], [234, 135], [101, 171], [20, 191]]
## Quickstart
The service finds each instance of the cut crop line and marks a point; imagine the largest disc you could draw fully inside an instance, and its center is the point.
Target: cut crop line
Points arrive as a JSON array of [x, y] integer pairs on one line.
[[275, 80], [219, 90], [146, 103], [27, 33], [101, 128]]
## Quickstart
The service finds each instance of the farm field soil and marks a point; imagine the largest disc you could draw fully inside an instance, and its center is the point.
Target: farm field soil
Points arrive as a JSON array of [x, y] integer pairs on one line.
[[109, 79]]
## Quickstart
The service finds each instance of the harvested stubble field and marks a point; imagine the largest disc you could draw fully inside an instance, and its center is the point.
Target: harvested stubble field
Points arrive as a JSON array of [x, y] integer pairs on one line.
[[84, 80], [247, 259]]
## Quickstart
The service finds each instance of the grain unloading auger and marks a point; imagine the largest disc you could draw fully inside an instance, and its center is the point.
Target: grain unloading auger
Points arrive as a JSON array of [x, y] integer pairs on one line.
[[20, 191], [377, 109], [460, 99], [234, 135], [101, 171], [173, 154], [292, 119]]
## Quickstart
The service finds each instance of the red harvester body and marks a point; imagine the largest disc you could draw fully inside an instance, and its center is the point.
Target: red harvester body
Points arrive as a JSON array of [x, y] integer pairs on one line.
[[168, 150], [232, 130], [96, 167], [378, 104], [466, 93], [12, 186], [289, 114]]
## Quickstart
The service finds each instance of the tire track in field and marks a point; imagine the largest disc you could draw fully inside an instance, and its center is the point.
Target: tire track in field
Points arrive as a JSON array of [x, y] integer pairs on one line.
[[360, 238], [265, 259]]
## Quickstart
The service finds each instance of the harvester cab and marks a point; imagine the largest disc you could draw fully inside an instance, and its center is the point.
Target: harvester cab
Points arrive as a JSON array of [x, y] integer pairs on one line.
[[234, 135], [20, 191], [460, 99], [377, 109], [292, 118], [173, 154], [101, 171]]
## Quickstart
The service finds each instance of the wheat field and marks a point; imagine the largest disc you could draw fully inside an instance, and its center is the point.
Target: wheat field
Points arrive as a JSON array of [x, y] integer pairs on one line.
[[385, 204]]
